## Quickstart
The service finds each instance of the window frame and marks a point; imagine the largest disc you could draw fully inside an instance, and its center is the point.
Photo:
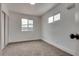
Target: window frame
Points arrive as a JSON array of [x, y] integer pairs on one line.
[[54, 18], [27, 28], [49, 19], [57, 15]]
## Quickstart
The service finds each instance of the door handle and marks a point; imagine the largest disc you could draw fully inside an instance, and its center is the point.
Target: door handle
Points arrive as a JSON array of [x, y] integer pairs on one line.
[[72, 36]]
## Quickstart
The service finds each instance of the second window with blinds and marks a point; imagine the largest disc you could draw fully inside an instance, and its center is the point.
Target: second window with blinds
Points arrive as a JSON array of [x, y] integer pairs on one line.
[[54, 18], [26, 25]]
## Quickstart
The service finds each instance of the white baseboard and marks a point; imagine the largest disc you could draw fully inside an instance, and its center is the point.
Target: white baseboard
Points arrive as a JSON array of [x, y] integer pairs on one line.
[[59, 46], [21, 40]]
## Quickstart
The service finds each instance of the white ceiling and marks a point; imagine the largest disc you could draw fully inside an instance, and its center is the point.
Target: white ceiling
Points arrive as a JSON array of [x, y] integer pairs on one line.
[[26, 8]]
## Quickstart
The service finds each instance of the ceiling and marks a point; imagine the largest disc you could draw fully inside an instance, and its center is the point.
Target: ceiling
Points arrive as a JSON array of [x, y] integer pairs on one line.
[[37, 10]]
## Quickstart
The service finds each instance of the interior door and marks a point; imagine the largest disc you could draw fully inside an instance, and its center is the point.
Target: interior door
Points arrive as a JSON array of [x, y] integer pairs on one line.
[[77, 27]]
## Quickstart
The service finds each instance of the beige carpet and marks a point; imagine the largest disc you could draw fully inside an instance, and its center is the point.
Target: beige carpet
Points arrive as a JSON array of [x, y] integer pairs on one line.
[[33, 48]]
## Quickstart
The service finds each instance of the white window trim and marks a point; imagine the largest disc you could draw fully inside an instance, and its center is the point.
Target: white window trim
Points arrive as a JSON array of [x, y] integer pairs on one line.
[[27, 28], [53, 18], [57, 19], [50, 19]]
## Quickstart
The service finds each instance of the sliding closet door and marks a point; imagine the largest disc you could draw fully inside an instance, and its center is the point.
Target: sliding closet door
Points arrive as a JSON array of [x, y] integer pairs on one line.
[[6, 29], [2, 30]]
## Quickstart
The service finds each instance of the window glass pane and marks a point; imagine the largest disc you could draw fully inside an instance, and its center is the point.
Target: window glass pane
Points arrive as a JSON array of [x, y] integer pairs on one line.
[[50, 19], [57, 17], [30, 25], [27, 25], [30, 21], [27, 29], [30, 29], [24, 21], [24, 25]]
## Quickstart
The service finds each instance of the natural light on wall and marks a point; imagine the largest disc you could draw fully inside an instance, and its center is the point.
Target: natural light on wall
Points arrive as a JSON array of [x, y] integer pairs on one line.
[[77, 17], [26, 24]]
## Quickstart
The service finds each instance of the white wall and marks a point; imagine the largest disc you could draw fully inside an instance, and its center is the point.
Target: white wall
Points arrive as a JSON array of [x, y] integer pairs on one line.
[[15, 33], [77, 26], [58, 32]]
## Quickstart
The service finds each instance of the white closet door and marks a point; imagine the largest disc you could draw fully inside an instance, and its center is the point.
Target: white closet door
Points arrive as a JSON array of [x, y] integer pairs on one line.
[[2, 30], [6, 29]]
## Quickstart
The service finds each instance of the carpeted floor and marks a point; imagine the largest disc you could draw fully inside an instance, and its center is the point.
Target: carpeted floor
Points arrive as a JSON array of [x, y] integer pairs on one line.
[[33, 48]]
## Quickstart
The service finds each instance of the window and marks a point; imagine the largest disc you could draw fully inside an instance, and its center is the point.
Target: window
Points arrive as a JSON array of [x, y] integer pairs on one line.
[[50, 19], [57, 17], [54, 18], [27, 25]]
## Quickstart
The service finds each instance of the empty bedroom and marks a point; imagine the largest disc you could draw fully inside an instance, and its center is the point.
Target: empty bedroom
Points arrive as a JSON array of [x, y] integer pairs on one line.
[[39, 29]]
